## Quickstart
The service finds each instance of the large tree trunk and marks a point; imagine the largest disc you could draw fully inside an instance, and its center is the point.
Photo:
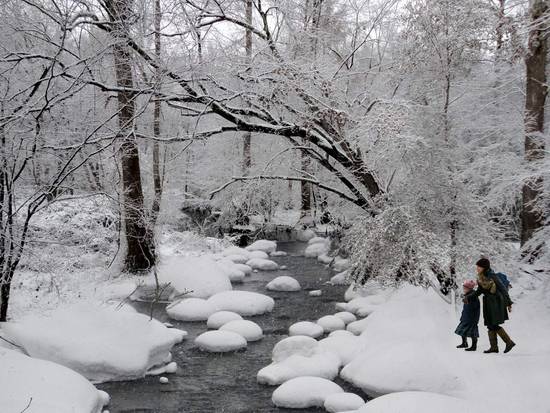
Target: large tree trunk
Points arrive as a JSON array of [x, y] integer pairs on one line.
[[535, 99], [157, 178], [140, 253], [247, 137]]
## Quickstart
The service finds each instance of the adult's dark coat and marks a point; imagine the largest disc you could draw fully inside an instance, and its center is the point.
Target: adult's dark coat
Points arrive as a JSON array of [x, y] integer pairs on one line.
[[495, 311]]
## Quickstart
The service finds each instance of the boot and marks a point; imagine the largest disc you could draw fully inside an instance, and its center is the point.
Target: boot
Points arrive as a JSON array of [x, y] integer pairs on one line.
[[473, 347], [506, 338], [493, 342], [464, 343]]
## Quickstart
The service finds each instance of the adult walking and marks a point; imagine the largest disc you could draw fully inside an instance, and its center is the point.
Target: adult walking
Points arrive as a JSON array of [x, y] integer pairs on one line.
[[496, 304]]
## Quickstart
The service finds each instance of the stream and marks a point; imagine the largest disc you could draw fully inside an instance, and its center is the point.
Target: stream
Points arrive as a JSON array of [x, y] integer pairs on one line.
[[206, 382]]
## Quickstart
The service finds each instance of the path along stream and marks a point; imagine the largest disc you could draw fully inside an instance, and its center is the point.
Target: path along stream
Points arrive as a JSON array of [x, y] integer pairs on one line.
[[218, 383]]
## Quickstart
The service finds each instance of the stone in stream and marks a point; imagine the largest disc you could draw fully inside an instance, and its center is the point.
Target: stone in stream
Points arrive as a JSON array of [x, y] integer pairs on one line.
[[315, 293]]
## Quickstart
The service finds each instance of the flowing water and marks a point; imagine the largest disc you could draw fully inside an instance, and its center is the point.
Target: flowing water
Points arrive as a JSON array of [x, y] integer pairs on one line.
[[207, 382]]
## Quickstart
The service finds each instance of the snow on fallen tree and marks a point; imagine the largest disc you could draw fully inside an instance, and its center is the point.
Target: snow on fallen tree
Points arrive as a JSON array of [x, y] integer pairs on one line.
[[102, 343], [32, 385]]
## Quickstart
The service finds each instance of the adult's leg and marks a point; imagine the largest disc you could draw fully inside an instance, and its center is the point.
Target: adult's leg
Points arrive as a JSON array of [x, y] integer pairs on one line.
[[492, 339], [506, 338]]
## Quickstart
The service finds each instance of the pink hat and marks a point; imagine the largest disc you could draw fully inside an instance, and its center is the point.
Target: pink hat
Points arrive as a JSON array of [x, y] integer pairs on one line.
[[469, 284]]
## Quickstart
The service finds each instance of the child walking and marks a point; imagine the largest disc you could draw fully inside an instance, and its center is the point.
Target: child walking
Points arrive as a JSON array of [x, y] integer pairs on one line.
[[470, 317]]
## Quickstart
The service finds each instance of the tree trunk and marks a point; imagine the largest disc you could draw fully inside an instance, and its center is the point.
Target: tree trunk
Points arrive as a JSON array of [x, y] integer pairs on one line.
[[157, 179], [247, 137], [140, 253], [535, 98], [4, 299]]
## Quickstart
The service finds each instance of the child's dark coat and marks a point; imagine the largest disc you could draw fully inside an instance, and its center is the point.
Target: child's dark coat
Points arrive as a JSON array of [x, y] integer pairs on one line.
[[470, 316]]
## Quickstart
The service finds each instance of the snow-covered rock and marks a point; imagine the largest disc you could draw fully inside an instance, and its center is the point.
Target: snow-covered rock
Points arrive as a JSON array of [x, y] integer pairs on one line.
[[340, 279], [278, 254], [236, 251], [305, 328], [262, 245], [295, 345], [357, 327], [341, 333], [244, 303], [341, 264], [190, 309], [220, 318], [259, 254], [262, 264], [32, 385], [347, 347], [231, 270], [164, 380], [283, 283], [315, 293], [341, 402], [325, 259], [314, 250], [346, 317], [218, 341], [237, 259], [318, 240], [304, 235], [331, 323], [304, 392], [244, 268], [200, 277], [419, 402], [246, 328], [102, 343]]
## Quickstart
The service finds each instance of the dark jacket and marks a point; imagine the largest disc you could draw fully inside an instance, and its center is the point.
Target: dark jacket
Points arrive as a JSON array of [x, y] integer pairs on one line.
[[471, 309], [495, 305]]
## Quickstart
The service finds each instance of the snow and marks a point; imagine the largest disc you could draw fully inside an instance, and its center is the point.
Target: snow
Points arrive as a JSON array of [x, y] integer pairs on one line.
[[340, 279], [244, 268], [421, 402], [346, 317], [346, 346], [341, 333], [306, 328], [217, 341], [357, 327], [201, 277], [44, 387], [304, 235], [341, 264], [318, 240], [283, 283], [341, 402], [190, 309], [262, 245], [100, 342], [236, 251], [295, 345], [231, 270], [331, 323], [325, 259], [244, 303], [278, 254], [262, 264], [314, 250], [259, 254], [246, 328], [164, 380], [220, 318], [319, 364], [304, 392], [315, 293], [237, 259]]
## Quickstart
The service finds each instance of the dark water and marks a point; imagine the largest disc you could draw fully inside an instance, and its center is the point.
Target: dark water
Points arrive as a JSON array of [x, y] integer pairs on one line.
[[208, 382]]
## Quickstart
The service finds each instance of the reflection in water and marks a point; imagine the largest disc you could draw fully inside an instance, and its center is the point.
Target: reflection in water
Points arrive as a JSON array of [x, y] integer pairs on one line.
[[208, 382]]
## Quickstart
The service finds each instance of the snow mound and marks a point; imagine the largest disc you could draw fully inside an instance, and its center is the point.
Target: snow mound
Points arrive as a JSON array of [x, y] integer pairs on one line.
[[341, 402], [305, 328], [340, 279], [318, 364], [314, 250], [262, 264], [347, 347], [200, 276], [325, 259], [331, 323], [246, 328], [220, 318], [418, 402], [244, 268], [102, 343], [231, 270], [283, 283], [220, 341], [236, 251], [357, 327], [237, 259], [304, 392], [318, 240], [262, 245], [259, 254], [278, 254], [32, 385], [341, 264], [244, 303], [341, 333], [346, 317], [304, 235], [296, 345], [190, 309]]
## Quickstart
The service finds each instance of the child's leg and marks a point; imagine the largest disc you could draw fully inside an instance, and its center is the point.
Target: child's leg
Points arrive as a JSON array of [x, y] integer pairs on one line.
[[473, 347], [464, 343]]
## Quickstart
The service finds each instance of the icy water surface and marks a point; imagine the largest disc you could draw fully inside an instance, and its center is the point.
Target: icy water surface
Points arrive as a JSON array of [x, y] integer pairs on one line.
[[208, 382]]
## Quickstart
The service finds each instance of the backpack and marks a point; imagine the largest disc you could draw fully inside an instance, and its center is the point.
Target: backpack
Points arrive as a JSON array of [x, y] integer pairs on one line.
[[503, 278]]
